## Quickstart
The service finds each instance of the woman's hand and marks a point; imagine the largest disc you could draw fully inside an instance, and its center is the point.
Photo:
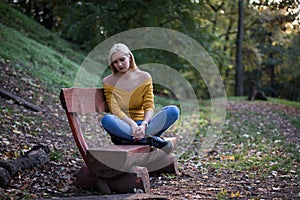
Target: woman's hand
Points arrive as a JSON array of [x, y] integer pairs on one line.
[[139, 133], [134, 128]]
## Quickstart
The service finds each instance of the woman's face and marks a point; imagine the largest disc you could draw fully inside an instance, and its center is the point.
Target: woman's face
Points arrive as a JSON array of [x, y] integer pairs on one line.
[[121, 61]]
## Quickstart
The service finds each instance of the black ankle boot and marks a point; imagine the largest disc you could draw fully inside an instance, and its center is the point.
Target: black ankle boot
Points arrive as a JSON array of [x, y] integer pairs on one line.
[[160, 143], [155, 141]]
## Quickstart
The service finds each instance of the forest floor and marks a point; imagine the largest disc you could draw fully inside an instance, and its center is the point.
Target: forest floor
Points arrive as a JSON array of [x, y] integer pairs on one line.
[[256, 157]]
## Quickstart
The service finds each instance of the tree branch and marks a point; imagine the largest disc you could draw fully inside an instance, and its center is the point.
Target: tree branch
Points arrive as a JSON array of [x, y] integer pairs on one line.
[[18, 100]]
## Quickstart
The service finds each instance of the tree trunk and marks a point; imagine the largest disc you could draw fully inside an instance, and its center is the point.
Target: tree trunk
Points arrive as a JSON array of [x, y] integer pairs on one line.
[[227, 35], [36, 157], [272, 80], [239, 65]]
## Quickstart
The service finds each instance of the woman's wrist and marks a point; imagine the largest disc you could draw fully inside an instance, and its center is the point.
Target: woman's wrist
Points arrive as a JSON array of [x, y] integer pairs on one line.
[[145, 123]]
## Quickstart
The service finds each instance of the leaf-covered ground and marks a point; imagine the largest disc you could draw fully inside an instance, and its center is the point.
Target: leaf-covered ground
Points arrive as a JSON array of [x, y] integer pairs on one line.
[[256, 157]]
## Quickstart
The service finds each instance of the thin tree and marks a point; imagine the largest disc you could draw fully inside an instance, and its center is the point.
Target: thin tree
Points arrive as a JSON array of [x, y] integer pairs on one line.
[[239, 65]]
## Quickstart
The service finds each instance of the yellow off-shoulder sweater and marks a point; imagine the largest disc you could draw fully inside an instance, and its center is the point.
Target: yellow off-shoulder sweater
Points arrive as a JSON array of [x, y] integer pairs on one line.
[[130, 103]]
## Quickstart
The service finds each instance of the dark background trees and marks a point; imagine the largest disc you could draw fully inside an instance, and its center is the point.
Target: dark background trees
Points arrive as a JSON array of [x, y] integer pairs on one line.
[[270, 46], [239, 86]]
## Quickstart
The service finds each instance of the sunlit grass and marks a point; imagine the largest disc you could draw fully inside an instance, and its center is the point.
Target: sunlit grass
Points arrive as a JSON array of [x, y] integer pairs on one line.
[[30, 48], [10, 17], [253, 141], [51, 68], [284, 102]]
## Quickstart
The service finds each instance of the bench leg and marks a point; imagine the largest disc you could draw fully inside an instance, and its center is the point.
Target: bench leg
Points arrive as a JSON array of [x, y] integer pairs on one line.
[[125, 183], [169, 165], [128, 182], [85, 178], [102, 186]]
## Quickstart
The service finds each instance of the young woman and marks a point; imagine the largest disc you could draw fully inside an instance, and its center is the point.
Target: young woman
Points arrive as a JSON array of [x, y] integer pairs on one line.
[[129, 94]]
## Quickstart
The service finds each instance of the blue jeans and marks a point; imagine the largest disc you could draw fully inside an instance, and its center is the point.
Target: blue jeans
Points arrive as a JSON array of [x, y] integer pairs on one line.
[[157, 126]]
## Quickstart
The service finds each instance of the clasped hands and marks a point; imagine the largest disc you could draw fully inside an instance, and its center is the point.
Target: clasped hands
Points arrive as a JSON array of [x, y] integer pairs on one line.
[[138, 132]]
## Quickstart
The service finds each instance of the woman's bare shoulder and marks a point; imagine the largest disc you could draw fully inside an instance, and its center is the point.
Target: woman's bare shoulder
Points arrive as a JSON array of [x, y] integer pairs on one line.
[[108, 80], [143, 74]]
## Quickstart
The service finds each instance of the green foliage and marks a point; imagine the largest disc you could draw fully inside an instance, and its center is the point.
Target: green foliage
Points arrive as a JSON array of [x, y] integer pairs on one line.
[[270, 49], [267, 47], [89, 23], [56, 155], [33, 30], [29, 47], [272, 31], [222, 195], [43, 63]]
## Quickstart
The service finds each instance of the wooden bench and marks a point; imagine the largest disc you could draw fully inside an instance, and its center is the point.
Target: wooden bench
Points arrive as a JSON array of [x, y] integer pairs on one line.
[[111, 168]]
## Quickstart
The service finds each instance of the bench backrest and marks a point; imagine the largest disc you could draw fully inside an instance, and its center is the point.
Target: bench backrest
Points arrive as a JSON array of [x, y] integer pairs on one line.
[[81, 101]]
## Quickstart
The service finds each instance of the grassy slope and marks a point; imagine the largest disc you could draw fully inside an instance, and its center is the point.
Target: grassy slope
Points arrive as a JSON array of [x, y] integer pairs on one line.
[[34, 50]]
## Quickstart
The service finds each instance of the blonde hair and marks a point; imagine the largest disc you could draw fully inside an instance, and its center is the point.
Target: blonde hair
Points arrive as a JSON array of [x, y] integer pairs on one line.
[[122, 48]]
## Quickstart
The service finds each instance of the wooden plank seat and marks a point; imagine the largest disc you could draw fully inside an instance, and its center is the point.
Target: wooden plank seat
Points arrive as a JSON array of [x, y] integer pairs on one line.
[[111, 168]]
